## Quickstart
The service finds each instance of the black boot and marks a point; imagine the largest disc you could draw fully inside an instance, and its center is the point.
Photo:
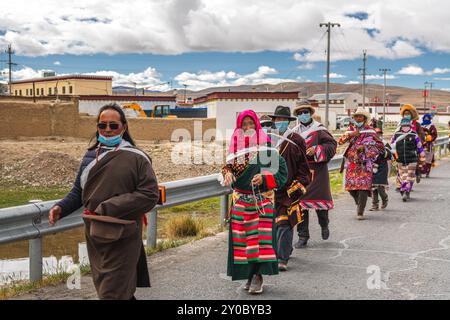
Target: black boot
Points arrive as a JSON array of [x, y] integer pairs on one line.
[[301, 243]]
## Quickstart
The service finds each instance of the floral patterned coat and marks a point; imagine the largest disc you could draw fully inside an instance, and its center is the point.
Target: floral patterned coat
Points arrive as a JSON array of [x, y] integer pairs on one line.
[[361, 154]]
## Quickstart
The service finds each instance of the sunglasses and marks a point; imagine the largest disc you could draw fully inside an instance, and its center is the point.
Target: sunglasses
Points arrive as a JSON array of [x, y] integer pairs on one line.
[[304, 112], [112, 125]]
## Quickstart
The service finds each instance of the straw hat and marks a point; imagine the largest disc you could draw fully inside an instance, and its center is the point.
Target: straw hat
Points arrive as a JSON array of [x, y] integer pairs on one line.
[[363, 112], [303, 104]]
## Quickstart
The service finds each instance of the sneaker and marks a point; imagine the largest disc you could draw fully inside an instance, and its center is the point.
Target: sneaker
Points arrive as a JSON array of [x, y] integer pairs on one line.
[[325, 233], [282, 266], [404, 197], [301, 243], [374, 208], [256, 286], [384, 204], [360, 217]]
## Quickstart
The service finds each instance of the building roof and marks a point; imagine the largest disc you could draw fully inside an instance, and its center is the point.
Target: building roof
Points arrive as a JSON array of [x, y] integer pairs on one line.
[[333, 96], [67, 77], [247, 95], [127, 98]]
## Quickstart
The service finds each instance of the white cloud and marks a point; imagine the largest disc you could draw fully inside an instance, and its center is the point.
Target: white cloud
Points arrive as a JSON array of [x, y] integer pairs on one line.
[[445, 89], [207, 79], [412, 70], [442, 79], [415, 70], [148, 78], [380, 77], [57, 63], [306, 66], [352, 82], [176, 26], [335, 76]]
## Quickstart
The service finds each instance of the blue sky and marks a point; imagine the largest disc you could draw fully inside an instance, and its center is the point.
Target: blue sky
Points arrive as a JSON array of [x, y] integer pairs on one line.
[[217, 42]]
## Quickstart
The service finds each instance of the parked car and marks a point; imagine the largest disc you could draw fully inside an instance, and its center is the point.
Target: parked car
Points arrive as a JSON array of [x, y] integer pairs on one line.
[[343, 122]]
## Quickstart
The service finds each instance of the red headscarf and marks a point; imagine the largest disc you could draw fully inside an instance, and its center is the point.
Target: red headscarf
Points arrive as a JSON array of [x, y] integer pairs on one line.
[[240, 141]]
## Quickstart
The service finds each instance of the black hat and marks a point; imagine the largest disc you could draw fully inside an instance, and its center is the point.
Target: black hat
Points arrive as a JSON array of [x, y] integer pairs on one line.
[[282, 112]]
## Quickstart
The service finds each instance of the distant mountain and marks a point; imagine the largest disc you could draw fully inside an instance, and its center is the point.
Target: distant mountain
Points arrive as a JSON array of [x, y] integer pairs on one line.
[[307, 89]]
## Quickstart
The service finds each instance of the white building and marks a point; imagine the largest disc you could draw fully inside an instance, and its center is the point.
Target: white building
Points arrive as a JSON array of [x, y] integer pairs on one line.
[[92, 104], [339, 103], [225, 106]]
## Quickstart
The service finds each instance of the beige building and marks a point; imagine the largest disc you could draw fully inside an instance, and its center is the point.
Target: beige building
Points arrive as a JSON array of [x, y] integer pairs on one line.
[[71, 85]]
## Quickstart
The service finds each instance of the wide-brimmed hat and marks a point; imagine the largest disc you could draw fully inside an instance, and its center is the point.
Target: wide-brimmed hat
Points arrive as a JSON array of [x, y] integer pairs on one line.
[[410, 108], [303, 104], [282, 112], [363, 112]]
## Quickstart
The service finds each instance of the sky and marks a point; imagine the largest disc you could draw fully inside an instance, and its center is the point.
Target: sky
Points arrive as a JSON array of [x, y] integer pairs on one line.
[[163, 44]]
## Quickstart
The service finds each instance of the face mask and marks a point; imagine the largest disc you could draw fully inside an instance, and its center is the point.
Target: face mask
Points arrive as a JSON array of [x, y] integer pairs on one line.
[[282, 126], [304, 118], [358, 124], [110, 141], [407, 117]]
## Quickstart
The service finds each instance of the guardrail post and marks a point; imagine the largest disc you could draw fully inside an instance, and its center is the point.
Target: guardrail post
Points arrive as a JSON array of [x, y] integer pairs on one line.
[[152, 228], [224, 205], [35, 249], [35, 253]]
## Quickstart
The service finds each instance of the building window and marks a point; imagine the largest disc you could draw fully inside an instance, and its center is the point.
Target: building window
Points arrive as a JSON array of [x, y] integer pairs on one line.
[[37, 92], [20, 92], [42, 91], [26, 92], [16, 92], [70, 89], [49, 91], [63, 90]]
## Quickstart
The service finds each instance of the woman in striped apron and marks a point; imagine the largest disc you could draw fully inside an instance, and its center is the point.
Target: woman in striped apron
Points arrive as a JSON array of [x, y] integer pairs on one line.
[[253, 169]]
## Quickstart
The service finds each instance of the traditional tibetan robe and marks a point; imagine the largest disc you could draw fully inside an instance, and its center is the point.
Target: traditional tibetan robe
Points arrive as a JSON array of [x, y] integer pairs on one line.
[[252, 233], [430, 136], [293, 149], [318, 192], [361, 155], [117, 190]]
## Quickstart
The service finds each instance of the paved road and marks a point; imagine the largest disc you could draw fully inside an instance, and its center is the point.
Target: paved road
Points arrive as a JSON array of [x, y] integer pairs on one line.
[[409, 244]]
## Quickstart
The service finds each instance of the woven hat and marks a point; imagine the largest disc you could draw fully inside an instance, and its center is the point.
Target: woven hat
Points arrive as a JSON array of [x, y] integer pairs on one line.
[[363, 112], [303, 104]]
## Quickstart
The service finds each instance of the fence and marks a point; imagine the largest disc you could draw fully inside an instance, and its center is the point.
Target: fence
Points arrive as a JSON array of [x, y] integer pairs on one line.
[[30, 222]]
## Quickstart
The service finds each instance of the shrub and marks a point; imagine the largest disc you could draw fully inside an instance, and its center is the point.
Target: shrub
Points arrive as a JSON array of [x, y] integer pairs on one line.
[[183, 226]]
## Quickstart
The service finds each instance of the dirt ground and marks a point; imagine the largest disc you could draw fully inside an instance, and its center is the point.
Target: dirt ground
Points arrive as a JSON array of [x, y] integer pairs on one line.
[[54, 161]]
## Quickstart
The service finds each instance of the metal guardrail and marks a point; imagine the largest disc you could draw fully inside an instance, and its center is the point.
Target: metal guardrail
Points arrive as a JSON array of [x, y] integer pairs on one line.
[[30, 222]]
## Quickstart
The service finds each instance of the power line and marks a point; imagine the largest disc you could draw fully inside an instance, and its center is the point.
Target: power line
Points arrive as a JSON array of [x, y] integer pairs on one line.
[[328, 25]]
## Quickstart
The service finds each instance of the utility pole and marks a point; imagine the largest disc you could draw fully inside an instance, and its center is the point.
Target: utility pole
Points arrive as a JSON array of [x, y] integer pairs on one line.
[[364, 77], [328, 25], [429, 102], [185, 86], [384, 95], [10, 52]]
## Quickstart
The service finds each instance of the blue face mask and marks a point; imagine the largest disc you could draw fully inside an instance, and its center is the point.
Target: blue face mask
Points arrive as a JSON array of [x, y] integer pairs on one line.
[[358, 124], [304, 118], [282, 126], [408, 117], [110, 141]]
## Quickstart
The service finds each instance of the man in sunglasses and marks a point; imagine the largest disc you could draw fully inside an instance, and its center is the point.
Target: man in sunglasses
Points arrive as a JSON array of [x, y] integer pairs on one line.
[[320, 149]]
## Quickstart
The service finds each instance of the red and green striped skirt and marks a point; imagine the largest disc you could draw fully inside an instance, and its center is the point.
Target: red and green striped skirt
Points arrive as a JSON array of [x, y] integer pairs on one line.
[[252, 235]]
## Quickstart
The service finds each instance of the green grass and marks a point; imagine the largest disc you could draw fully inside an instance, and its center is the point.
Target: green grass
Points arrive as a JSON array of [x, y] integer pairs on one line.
[[13, 195]]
